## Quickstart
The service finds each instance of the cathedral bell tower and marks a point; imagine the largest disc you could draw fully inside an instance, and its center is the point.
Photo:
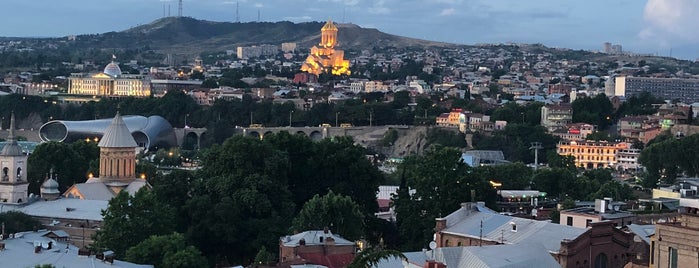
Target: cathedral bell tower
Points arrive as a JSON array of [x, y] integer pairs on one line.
[[117, 153], [13, 166]]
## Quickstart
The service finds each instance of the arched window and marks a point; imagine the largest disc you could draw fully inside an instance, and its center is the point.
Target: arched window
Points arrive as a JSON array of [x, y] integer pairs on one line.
[[5, 170], [19, 174], [601, 261]]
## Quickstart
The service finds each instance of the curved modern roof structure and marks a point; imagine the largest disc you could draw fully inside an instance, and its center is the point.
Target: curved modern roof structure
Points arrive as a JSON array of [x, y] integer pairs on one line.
[[148, 132]]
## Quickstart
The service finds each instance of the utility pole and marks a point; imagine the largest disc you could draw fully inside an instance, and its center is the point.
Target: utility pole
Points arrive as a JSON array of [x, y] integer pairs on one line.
[[371, 117], [337, 114], [179, 10]]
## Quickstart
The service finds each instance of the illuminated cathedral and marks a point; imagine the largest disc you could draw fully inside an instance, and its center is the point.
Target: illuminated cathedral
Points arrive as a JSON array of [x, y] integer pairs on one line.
[[324, 57]]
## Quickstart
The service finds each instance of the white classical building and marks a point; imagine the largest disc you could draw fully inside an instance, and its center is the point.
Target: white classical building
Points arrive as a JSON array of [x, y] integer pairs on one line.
[[110, 82]]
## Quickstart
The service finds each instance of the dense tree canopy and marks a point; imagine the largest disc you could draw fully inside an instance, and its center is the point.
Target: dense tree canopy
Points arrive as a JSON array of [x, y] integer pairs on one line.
[[166, 251], [15, 221], [130, 220], [441, 182], [667, 159], [70, 163], [338, 213]]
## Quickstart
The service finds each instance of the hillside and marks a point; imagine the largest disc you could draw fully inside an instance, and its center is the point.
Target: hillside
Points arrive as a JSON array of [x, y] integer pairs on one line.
[[190, 36]]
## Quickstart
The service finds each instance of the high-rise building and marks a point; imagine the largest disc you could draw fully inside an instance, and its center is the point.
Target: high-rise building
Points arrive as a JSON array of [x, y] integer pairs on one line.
[[324, 58], [682, 89]]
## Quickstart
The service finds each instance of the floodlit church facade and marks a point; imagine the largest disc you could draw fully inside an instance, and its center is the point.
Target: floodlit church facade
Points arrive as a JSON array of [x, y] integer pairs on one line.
[[117, 166], [13, 165], [110, 82], [324, 57]]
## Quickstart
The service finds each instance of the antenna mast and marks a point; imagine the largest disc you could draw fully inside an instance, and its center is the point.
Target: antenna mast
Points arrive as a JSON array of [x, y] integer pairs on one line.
[[237, 14], [179, 10], [258, 15]]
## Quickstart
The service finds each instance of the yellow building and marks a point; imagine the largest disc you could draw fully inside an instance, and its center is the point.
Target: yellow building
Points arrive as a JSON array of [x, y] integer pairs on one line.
[[592, 154], [324, 57], [110, 82]]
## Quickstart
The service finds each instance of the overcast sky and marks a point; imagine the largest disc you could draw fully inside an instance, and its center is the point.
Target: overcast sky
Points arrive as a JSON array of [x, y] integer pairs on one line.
[[644, 26]]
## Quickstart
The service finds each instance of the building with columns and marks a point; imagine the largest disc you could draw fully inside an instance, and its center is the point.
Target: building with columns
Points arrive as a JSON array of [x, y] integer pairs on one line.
[[117, 166], [109, 83], [13, 165]]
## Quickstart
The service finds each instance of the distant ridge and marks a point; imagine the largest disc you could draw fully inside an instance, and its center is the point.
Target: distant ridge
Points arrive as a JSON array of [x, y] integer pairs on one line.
[[185, 35]]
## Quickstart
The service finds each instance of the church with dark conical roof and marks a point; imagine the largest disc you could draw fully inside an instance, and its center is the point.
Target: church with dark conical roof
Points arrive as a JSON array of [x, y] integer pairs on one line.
[[13, 165], [117, 166]]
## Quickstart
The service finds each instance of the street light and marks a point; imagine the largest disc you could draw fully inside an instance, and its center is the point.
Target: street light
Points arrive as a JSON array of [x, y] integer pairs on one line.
[[290, 113], [337, 114], [185, 120]]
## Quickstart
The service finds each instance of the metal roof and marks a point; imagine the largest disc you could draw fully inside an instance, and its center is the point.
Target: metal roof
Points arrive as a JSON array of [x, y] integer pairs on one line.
[[117, 135], [313, 238], [469, 221], [643, 231], [510, 256], [19, 252]]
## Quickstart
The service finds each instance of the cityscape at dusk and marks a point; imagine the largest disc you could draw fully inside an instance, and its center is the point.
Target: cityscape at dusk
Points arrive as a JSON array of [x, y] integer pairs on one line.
[[349, 134], [659, 27]]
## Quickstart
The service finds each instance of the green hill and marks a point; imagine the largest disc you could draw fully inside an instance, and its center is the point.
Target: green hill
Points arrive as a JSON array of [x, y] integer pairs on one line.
[[186, 35]]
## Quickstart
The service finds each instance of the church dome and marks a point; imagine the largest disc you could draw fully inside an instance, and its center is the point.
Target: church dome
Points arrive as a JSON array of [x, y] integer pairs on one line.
[[112, 69], [329, 26], [12, 149], [50, 186]]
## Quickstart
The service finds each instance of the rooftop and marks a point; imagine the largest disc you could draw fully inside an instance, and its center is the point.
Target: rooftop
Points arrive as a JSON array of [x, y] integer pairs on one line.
[[20, 252], [471, 219]]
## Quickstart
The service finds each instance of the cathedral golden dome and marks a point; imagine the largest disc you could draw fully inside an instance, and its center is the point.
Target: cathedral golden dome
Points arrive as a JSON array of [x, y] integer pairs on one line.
[[329, 26]]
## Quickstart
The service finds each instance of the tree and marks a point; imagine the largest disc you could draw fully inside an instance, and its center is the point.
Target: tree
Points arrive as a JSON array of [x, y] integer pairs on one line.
[[337, 212], [244, 200], [131, 219], [166, 251], [18, 222], [615, 190], [441, 182], [263, 256], [370, 257], [70, 166]]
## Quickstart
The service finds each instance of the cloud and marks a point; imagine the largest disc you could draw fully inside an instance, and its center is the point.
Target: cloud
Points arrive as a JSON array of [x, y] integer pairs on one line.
[[345, 2], [379, 7], [671, 21], [447, 12]]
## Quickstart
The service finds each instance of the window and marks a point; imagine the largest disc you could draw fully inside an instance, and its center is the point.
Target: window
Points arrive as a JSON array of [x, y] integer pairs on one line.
[[588, 222], [601, 261], [569, 221], [672, 258], [652, 252]]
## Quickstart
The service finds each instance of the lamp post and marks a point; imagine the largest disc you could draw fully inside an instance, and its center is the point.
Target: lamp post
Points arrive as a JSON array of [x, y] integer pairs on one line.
[[185, 120], [290, 113], [337, 114]]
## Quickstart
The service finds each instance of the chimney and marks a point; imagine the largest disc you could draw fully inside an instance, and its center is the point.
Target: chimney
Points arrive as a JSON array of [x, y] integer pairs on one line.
[[441, 224], [326, 230]]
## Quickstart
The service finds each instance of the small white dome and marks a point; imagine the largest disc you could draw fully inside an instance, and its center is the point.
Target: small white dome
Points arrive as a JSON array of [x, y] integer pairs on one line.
[[49, 186]]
